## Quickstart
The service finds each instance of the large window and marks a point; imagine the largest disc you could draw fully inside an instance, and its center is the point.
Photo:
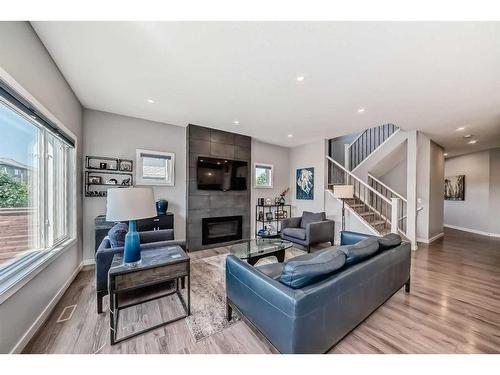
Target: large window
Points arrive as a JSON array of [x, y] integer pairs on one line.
[[37, 181]]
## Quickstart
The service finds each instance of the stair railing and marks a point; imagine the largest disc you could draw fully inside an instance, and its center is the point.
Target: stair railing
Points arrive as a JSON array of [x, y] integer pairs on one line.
[[366, 143], [389, 193], [376, 203]]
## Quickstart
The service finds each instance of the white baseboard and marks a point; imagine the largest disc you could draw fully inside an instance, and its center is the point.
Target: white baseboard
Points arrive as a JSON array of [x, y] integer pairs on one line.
[[472, 230], [88, 262], [40, 320], [432, 239]]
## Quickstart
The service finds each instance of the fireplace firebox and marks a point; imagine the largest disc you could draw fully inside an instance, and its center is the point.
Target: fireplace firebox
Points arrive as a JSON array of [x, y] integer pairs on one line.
[[221, 229]]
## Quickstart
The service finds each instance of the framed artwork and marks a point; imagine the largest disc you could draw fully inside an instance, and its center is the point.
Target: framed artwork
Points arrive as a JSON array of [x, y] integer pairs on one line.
[[454, 188], [305, 183]]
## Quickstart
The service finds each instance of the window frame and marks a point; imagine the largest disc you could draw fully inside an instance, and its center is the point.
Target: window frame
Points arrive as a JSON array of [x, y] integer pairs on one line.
[[263, 166], [139, 177], [20, 271]]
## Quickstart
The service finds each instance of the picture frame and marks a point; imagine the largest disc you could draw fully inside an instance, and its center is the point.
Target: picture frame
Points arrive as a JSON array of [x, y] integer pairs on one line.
[[125, 165], [95, 180], [269, 216], [304, 181]]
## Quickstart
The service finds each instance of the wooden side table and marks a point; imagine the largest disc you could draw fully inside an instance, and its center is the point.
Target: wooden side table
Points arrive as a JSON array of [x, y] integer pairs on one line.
[[158, 267]]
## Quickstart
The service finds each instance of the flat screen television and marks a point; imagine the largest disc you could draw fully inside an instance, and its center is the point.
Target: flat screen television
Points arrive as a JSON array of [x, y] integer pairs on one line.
[[221, 174]]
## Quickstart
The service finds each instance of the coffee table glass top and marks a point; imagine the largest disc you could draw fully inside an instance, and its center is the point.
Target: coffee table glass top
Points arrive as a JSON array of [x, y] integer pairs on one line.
[[258, 247]]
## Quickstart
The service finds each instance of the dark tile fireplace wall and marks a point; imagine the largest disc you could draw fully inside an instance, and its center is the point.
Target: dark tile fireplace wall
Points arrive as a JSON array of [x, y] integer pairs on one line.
[[207, 142]]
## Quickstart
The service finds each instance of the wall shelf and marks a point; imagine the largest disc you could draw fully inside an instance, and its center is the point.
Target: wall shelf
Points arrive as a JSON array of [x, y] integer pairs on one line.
[[112, 170], [279, 212]]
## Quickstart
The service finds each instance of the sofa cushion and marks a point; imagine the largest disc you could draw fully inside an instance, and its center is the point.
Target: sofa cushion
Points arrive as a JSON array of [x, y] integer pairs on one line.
[[360, 251], [117, 235], [311, 217], [272, 270], [389, 241], [311, 268], [298, 233]]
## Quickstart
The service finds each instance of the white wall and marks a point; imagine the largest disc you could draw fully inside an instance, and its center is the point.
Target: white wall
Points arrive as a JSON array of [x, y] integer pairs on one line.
[[112, 135], [26, 60], [479, 212], [277, 156], [306, 156]]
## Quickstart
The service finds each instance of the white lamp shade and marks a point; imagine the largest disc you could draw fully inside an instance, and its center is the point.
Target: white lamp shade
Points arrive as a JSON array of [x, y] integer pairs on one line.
[[343, 191], [130, 204]]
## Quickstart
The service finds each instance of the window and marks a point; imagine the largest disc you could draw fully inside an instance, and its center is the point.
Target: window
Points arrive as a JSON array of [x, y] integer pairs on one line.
[[37, 187], [263, 175], [155, 168]]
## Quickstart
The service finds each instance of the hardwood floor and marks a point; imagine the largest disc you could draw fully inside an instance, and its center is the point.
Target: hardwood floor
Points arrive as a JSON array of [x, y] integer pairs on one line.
[[453, 307]]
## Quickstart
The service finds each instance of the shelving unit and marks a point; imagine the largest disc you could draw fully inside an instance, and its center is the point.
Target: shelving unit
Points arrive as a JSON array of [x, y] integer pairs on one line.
[[275, 210], [106, 168]]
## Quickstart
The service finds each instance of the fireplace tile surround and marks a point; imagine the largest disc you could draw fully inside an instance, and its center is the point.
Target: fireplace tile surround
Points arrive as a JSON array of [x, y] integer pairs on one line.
[[207, 142]]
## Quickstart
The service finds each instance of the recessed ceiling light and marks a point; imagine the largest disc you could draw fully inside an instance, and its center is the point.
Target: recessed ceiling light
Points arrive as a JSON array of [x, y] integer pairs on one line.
[[473, 141], [236, 122], [460, 129], [150, 101], [361, 110], [290, 135], [445, 154], [300, 78], [467, 135]]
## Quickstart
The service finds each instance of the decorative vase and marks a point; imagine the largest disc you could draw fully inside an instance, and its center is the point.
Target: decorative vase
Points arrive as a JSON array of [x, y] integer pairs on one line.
[[282, 200], [161, 207]]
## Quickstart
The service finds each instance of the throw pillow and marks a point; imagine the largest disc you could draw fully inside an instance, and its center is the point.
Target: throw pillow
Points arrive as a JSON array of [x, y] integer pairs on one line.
[[117, 235], [311, 268], [311, 217], [389, 241], [360, 251]]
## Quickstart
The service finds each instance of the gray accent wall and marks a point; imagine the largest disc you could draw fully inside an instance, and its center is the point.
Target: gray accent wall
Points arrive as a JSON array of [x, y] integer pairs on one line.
[[207, 142]]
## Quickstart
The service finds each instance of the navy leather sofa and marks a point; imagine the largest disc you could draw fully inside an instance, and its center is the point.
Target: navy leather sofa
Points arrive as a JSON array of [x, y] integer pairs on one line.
[[104, 256], [314, 318]]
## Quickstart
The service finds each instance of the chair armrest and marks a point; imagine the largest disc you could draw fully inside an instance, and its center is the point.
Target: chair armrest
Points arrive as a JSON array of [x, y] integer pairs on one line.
[[156, 235], [103, 259], [320, 231], [292, 222]]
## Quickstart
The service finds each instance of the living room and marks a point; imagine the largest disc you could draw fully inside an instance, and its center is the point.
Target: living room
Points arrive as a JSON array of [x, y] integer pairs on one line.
[[236, 188]]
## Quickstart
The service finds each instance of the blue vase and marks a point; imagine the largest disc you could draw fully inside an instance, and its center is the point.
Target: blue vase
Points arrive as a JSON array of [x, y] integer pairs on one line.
[[161, 207], [132, 248]]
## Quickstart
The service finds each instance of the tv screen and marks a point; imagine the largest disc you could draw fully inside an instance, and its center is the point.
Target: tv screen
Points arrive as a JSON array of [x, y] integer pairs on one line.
[[221, 174]]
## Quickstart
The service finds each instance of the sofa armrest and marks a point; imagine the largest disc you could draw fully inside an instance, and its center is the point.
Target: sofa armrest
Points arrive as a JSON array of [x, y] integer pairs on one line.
[[320, 231], [156, 235], [103, 259], [292, 222]]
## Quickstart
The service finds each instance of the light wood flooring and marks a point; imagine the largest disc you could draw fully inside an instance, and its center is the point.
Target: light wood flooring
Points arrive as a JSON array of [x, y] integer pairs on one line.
[[453, 307]]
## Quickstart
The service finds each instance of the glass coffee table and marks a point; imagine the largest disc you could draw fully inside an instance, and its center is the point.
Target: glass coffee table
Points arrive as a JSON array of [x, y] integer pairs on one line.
[[255, 249]]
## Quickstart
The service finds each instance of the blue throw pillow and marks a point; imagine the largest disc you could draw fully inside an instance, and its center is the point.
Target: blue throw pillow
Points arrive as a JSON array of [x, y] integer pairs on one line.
[[117, 235], [360, 251], [311, 268]]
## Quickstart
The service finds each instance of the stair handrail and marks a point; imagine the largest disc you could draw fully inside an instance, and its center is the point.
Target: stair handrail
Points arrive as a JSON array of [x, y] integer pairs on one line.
[[359, 180], [387, 187], [363, 132]]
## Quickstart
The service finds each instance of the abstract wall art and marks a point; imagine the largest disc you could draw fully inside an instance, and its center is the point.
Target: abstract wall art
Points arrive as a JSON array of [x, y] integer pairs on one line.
[[305, 183], [454, 188]]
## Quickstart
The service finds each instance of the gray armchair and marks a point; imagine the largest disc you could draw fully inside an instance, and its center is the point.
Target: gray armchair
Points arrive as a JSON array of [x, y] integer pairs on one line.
[[309, 229], [104, 256]]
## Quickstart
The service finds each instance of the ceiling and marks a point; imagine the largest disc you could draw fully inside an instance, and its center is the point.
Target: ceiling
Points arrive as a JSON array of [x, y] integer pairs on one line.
[[434, 77]]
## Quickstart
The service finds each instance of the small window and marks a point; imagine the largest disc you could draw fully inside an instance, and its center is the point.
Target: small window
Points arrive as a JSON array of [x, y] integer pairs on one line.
[[263, 175], [155, 168]]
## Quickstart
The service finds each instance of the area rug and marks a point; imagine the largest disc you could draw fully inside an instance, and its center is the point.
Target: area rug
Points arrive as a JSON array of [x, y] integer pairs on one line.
[[208, 294]]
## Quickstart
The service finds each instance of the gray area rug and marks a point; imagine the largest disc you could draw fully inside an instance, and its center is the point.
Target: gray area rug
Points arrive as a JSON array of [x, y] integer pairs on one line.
[[208, 294]]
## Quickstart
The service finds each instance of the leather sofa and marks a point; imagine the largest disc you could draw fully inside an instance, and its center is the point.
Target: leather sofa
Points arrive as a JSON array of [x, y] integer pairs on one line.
[[104, 256], [313, 318], [309, 229]]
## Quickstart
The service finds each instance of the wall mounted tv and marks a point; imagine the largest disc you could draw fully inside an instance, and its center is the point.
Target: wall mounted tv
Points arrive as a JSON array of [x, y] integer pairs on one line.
[[221, 174]]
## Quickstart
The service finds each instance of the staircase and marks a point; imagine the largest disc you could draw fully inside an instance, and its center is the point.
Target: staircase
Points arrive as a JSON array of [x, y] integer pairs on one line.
[[366, 143], [379, 212]]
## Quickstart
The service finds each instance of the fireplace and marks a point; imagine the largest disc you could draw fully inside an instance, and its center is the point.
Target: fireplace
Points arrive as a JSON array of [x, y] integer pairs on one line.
[[221, 229]]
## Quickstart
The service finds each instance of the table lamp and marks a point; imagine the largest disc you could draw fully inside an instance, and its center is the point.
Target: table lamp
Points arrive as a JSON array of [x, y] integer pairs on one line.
[[343, 192], [130, 204]]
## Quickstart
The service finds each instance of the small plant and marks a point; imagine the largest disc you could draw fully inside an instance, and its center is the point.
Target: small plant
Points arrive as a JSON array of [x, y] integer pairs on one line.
[[284, 192]]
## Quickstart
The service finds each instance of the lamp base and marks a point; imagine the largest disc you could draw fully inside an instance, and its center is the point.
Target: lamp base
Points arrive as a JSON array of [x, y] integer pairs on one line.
[[132, 248]]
